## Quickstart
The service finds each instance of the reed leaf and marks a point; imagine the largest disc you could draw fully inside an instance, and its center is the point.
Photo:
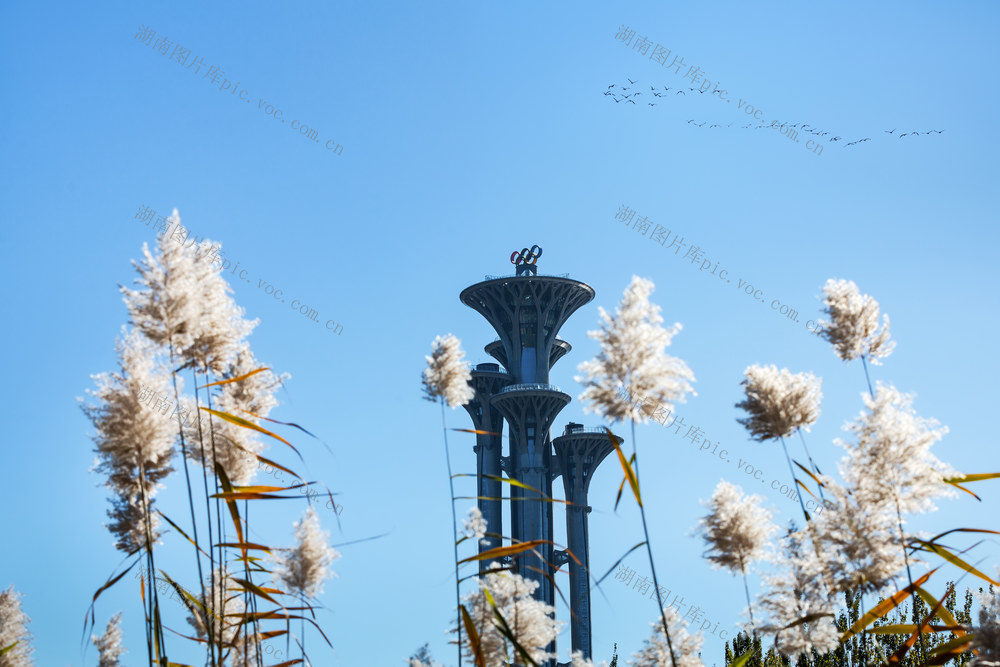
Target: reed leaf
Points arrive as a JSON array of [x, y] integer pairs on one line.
[[896, 657], [477, 432], [909, 628], [235, 379], [742, 660], [255, 589], [976, 477], [239, 421], [470, 630], [943, 612], [626, 467], [617, 562], [500, 552], [506, 631], [808, 472], [884, 607], [946, 553], [948, 650]]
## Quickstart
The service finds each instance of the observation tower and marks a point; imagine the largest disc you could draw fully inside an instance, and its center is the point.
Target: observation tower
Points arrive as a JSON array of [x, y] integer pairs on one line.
[[527, 310]]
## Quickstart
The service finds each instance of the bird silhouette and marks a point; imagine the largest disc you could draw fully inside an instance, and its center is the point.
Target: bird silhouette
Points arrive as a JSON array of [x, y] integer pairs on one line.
[[651, 104], [711, 126], [666, 88], [630, 80], [624, 87], [903, 135], [611, 86], [616, 100], [638, 93], [657, 95], [938, 131], [889, 131], [681, 92], [632, 101], [865, 139], [651, 88], [836, 139]]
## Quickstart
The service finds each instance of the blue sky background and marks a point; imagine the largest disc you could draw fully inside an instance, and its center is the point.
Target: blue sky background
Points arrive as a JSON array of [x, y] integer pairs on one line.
[[469, 131]]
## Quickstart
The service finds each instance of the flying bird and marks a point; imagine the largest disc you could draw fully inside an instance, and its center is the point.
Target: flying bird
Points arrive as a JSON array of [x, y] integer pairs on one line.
[[681, 92], [611, 86], [632, 101], [889, 131], [630, 80], [666, 88], [638, 93], [651, 104]]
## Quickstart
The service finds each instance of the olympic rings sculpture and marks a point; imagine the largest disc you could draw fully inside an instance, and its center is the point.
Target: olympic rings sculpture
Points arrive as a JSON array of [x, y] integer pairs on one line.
[[529, 257]]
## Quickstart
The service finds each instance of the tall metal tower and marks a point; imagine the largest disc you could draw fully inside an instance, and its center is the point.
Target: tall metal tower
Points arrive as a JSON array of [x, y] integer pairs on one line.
[[527, 310]]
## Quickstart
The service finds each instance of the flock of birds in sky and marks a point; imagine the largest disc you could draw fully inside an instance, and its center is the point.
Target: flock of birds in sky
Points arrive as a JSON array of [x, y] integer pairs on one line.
[[617, 92]]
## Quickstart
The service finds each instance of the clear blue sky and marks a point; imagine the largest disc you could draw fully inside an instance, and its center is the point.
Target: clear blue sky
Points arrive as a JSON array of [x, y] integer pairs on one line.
[[469, 131]]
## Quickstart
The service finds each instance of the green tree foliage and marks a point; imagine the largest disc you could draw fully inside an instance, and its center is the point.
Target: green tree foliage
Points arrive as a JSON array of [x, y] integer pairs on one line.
[[867, 647]]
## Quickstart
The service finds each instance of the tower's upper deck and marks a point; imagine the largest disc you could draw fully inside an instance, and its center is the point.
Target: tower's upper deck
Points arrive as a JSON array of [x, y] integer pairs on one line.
[[527, 311]]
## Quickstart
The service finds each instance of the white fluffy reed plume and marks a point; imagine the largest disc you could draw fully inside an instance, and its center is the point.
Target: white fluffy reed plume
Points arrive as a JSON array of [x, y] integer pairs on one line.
[[475, 524], [131, 436], [777, 401], [853, 327], [251, 398], [109, 645], [531, 621], [858, 542], [303, 569], [14, 630], [633, 355], [987, 640], [185, 304], [656, 652], [890, 465], [226, 606], [737, 529], [447, 375], [797, 590]]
